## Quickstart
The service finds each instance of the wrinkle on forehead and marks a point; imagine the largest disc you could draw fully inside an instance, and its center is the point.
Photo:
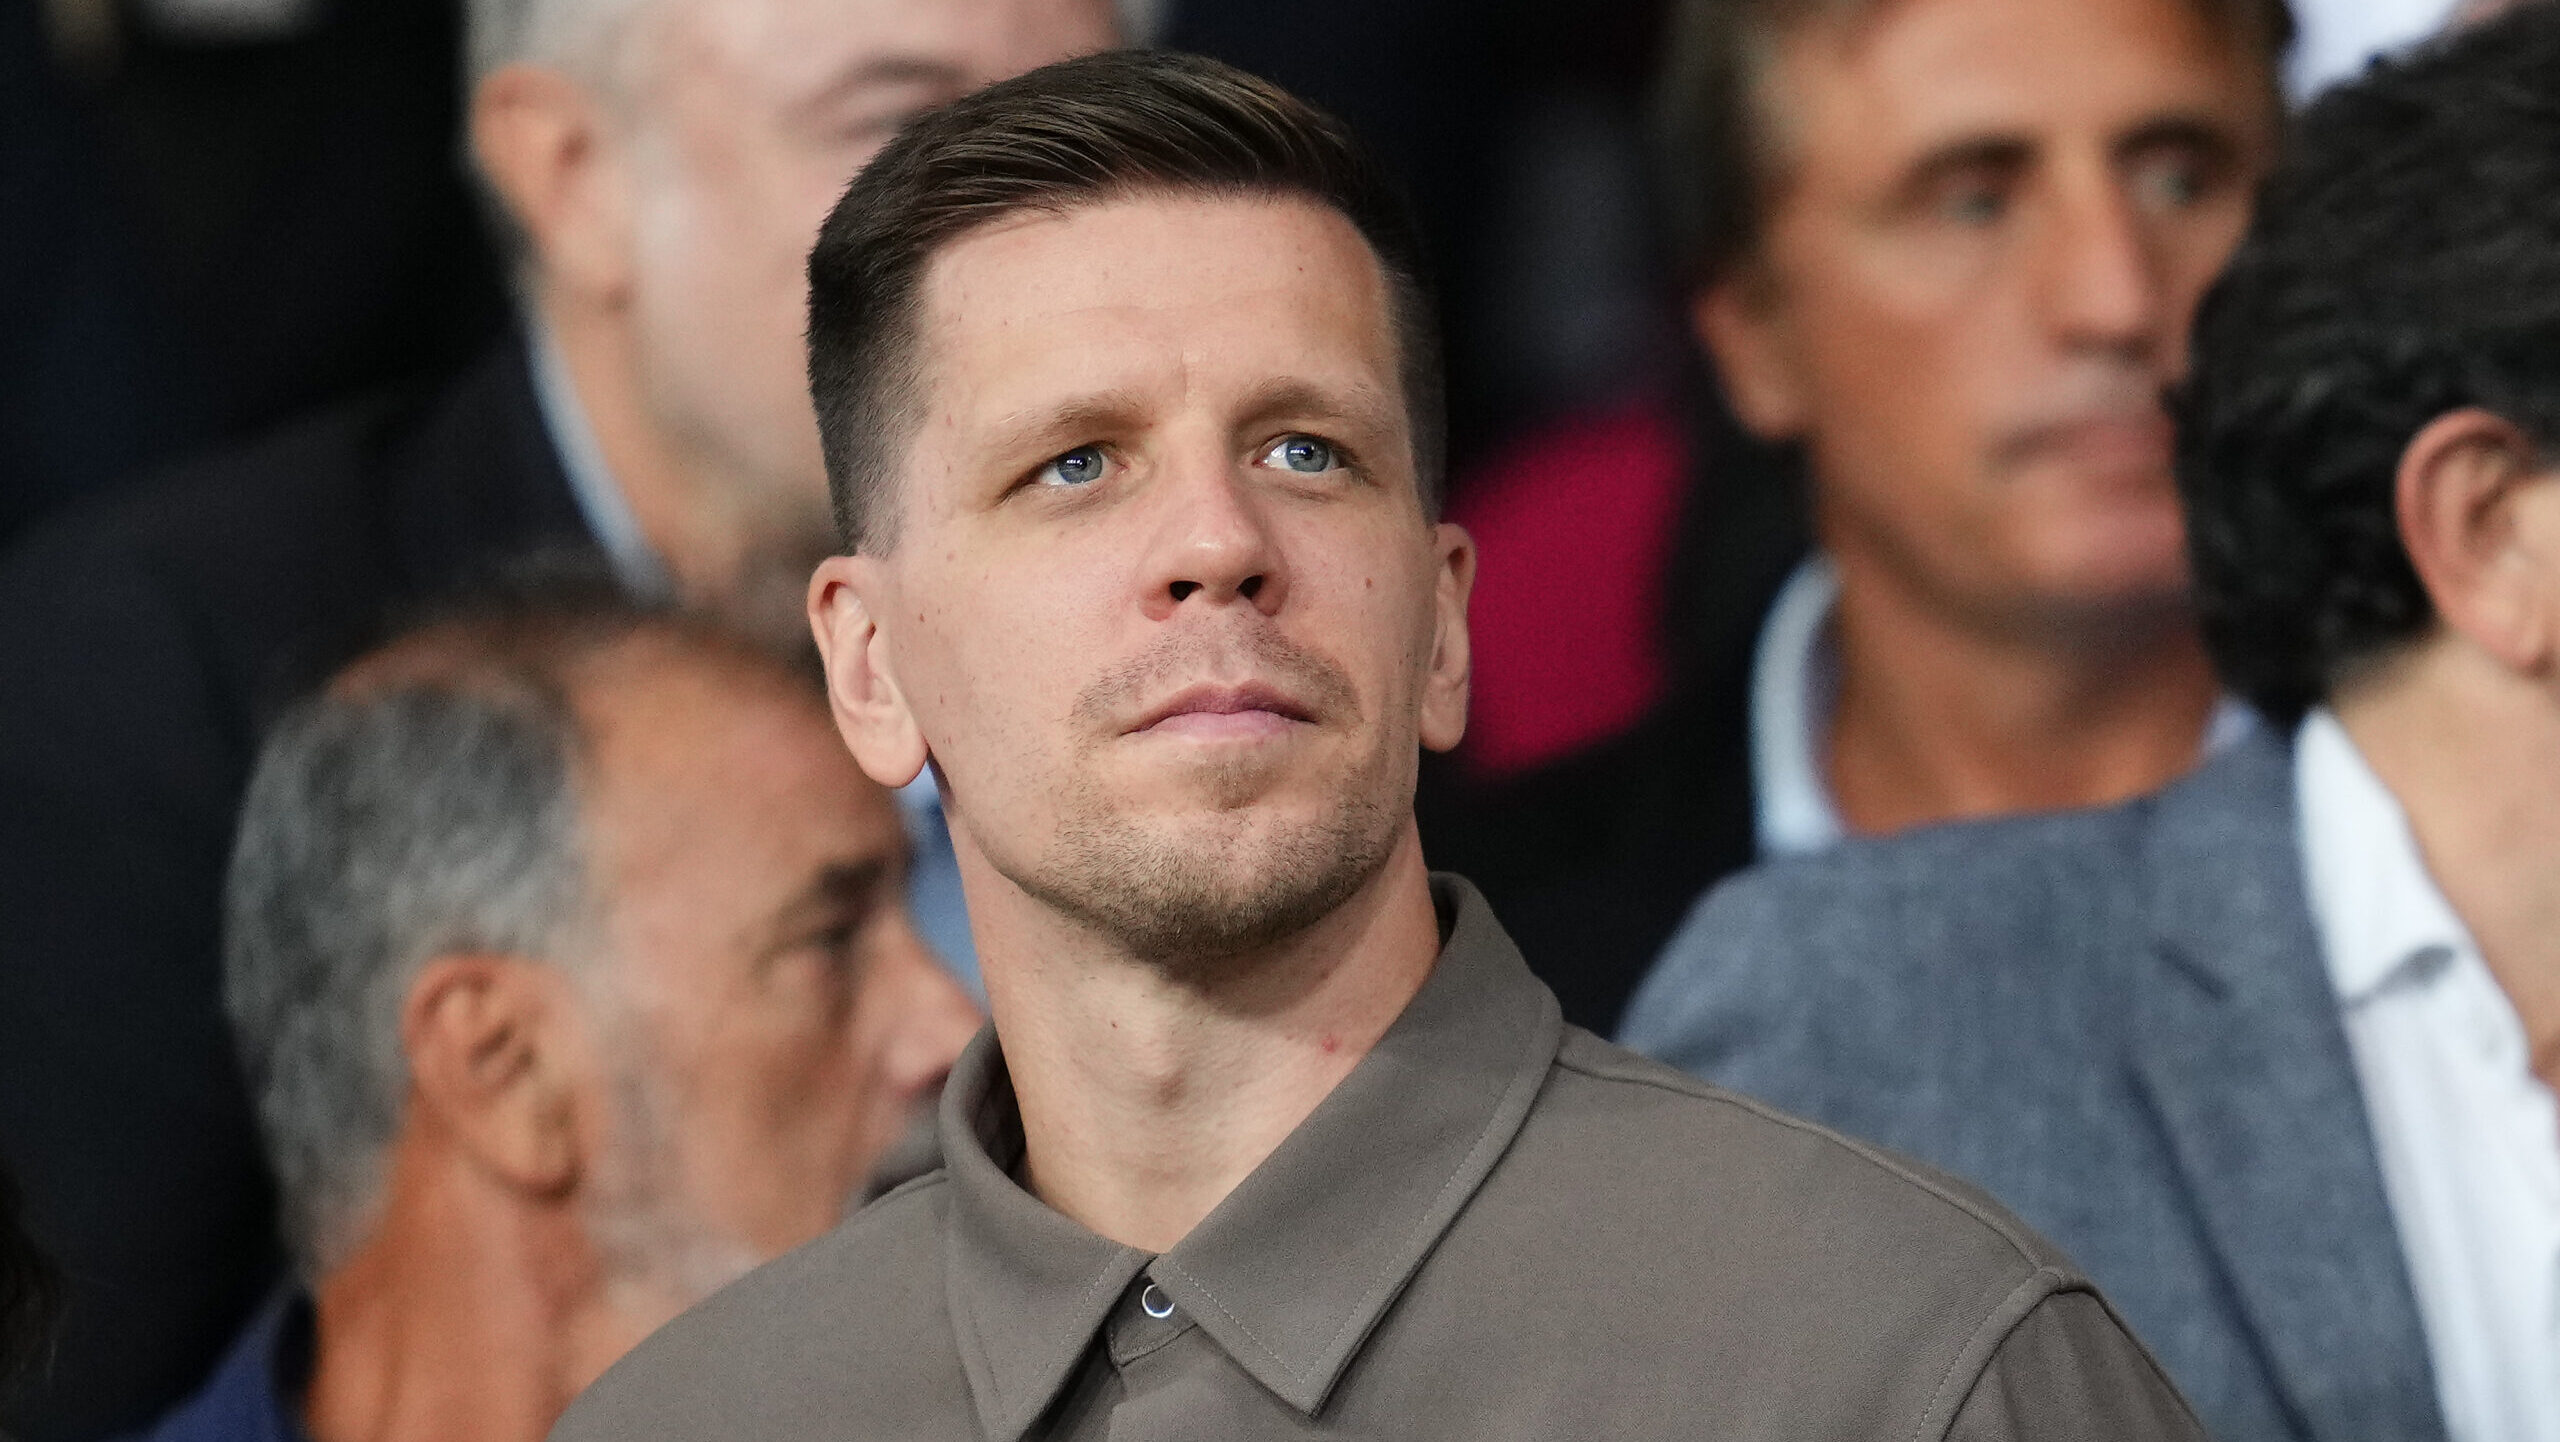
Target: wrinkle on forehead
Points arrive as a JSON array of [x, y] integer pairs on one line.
[[1982, 67]]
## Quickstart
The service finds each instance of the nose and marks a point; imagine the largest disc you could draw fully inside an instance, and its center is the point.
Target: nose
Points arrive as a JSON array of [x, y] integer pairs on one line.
[[2103, 287], [1212, 543]]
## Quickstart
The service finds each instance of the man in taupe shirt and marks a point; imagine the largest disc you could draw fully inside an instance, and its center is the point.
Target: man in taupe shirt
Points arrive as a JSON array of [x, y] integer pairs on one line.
[[1131, 406]]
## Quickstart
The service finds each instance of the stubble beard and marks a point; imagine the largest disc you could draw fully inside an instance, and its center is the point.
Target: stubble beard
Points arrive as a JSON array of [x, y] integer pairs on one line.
[[1190, 900], [1192, 895], [658, 1250]]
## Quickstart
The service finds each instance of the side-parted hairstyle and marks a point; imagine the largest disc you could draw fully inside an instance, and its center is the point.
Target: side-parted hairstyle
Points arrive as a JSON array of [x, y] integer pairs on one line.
[[1081, 132], [1716, 120], [2404, 263], [425, 804]]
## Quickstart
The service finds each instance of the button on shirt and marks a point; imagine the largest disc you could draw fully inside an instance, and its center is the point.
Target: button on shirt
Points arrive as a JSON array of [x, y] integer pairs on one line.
[[2468, 1140], [1495, 1227]]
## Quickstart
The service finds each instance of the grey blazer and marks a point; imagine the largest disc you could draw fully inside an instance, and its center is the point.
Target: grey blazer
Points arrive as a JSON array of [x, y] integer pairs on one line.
[[2119, 1023]]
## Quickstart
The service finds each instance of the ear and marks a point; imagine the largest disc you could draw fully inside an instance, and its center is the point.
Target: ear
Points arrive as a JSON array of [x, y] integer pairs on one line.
[[862, 689], [495, 1053], [2480, 517], [1444, 692], [1741, 321], [548, 146]]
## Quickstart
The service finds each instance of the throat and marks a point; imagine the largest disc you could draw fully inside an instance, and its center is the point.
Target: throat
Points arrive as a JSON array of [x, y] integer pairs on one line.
[[1936, 722], [1147, 1098]]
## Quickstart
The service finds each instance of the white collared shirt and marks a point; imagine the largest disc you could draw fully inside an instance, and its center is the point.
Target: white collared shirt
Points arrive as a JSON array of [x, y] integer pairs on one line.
[[2467, 1136], [1795, 685]]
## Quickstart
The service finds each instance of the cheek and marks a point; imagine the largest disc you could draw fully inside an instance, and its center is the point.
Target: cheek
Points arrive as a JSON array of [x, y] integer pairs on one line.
[[1377, 615], [2195, 256], [722, 245], [996, 661]]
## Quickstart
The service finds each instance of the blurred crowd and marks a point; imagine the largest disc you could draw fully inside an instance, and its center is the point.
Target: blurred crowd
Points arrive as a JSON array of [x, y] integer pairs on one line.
[[2047, 514]]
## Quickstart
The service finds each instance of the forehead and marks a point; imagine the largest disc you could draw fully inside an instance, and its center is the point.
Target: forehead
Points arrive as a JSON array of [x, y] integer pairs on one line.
[[1876, 85], [1173, 296], [795, 49], [696, 762]]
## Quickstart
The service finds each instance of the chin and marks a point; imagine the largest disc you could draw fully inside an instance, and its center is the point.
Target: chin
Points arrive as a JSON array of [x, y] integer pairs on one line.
[[1188, 886], [2130, 552]]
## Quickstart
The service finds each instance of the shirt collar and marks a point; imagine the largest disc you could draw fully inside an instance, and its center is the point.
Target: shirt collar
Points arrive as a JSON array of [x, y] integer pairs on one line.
[[2378, 911], [600, 499], [1795, 681], [1795, 685], [1292, 1272]]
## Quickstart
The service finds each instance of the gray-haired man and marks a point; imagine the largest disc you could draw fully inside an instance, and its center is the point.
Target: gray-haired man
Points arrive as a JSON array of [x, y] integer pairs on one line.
[[571, 976], [664, 164]]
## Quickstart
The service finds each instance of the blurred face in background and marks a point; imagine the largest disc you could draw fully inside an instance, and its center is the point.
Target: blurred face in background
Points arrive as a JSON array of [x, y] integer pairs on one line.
[[670, 161], [1987, 225], [768, 1020], [748, 118]]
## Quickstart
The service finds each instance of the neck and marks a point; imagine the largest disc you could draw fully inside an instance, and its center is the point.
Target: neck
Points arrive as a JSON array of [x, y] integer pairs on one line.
[[2472, 752], [1146, 1097], [469, 1312], [1940, 718], [697, 515]]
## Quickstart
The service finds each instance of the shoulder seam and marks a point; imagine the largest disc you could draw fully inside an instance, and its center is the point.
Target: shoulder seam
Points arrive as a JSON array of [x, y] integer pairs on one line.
[[1982, 1346], [1701, 1091]]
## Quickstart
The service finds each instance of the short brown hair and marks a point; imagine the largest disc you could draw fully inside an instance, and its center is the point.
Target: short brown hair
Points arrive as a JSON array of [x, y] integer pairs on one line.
[[1081, 131], [1713, 149]]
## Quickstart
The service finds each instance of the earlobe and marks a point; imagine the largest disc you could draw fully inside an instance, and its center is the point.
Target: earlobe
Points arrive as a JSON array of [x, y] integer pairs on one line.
[[871, 710], [542, 141], [1445, 691], [1736, 320], [2481, 524], [494, 1055]]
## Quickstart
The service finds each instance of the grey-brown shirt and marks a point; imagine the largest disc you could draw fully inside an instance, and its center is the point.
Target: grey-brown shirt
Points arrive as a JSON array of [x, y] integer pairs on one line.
[[1495, 1227]]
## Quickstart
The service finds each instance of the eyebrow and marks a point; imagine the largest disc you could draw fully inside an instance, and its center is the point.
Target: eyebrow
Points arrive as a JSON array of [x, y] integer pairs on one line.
[[1070, 422], [838, 886], [883, 72], [2000, 151], [1359, 403], [2189, 131], [1079, 419], [1973, 152]]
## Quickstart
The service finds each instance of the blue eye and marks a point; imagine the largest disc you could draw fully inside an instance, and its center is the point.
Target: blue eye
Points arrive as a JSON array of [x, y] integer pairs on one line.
[[1304, 455], [1079, 467]]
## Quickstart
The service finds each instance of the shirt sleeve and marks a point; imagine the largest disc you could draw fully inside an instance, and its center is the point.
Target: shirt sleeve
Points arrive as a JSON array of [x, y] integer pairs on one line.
[[2071, 1370]]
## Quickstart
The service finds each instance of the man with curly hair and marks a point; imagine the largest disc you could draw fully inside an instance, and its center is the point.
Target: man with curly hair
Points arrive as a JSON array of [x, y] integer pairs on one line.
[[2272, 1052]]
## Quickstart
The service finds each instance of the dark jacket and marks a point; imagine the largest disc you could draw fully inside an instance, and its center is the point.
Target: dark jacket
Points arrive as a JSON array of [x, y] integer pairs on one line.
[[256, 1392], [1591, 862], [2120, 1023], [140, 647]]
